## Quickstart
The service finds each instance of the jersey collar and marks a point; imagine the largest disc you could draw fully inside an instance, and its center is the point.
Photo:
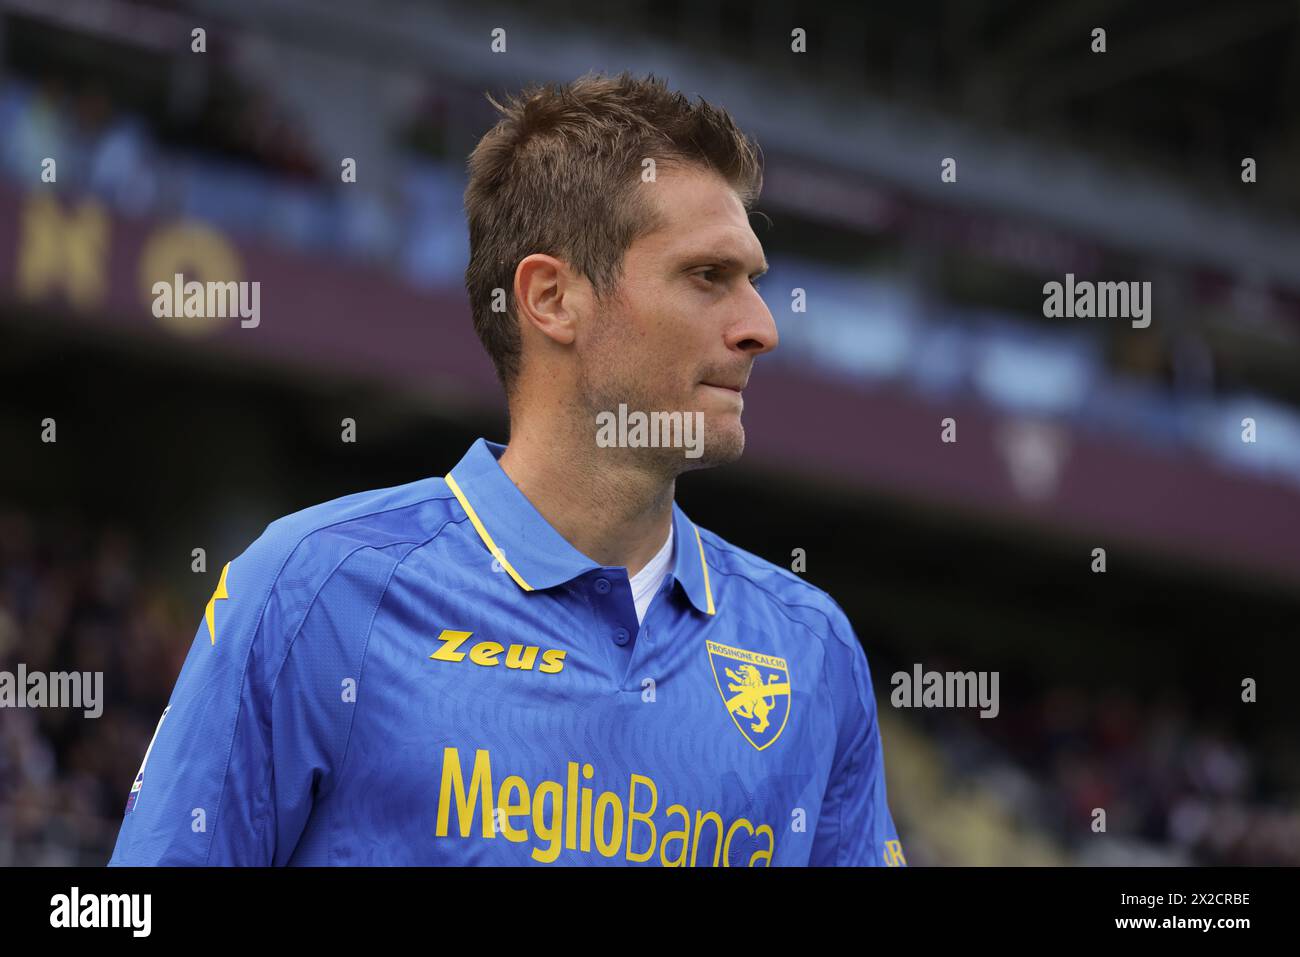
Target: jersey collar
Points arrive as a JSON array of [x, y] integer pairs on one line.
[[690, 567], [531, 551]]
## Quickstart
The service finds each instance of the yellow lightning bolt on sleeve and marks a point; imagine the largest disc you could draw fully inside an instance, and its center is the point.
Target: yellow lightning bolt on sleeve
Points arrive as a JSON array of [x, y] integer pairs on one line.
[[209, 612]]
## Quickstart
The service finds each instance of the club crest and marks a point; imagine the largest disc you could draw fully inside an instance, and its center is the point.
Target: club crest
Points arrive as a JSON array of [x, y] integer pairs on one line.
[[755, 689]]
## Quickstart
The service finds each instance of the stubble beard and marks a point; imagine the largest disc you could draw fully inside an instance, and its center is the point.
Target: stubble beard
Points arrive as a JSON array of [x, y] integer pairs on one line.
[[723, 439]]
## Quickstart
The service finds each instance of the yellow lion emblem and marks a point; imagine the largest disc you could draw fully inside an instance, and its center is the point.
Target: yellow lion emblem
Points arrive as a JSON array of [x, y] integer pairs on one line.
[[750, 699]]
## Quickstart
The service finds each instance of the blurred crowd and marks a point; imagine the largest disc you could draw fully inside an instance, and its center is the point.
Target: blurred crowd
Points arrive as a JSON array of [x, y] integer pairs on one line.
[[71, 598], [1176, 783]]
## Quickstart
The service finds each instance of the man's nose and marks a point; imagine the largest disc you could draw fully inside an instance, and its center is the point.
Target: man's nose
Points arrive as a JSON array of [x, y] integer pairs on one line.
[[756, 332]]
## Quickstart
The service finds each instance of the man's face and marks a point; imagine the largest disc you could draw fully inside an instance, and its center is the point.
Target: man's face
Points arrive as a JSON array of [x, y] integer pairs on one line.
[[682, 330]]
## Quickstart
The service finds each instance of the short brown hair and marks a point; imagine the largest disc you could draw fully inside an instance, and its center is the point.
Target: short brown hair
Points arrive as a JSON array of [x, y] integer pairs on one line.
[[557, 175]]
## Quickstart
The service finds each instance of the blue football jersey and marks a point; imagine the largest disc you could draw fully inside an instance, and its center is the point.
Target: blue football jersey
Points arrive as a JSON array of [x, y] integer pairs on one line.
[[432, 675]]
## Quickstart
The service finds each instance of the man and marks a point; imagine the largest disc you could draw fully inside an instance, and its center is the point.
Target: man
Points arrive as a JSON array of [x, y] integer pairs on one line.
[[539, 658]]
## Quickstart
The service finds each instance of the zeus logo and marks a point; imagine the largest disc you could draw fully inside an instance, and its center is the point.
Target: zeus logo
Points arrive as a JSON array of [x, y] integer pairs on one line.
[[488, 653]]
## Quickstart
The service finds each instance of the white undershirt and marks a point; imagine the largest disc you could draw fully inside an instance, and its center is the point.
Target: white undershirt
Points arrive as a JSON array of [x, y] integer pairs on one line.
[[647, 581]]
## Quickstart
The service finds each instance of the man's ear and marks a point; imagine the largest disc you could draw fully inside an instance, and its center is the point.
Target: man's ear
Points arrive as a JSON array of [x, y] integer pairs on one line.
[[550, 297]]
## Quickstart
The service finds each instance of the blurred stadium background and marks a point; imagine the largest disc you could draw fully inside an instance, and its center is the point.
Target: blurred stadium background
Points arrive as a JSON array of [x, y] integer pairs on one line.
[[1119, 690]]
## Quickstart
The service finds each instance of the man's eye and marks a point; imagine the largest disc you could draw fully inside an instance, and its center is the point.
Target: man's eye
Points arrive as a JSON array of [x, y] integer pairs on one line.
[[711, 276]]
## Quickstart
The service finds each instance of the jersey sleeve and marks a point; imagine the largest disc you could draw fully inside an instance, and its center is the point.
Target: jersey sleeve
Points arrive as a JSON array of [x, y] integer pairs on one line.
[[855, 827], [230, 774]]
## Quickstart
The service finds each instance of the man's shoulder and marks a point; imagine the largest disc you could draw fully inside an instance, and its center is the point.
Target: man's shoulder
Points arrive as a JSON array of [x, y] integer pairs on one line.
[[310, 544], [749, 577]]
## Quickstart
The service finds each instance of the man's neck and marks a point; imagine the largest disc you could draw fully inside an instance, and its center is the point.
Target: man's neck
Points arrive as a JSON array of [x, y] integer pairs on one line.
[[606, 507]]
